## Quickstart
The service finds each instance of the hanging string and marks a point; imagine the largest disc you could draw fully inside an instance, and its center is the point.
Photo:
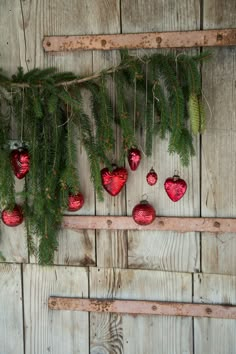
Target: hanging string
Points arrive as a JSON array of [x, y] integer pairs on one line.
[[153, 103], [67, 111], [146, 74], [22, 115], [208, 105], [135, 101], [11, 115], [146, 99], [176, 63]]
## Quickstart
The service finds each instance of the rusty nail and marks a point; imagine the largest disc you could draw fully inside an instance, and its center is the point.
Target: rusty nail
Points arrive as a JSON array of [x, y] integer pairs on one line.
[[208, 310], [216, 224], [109, 222]]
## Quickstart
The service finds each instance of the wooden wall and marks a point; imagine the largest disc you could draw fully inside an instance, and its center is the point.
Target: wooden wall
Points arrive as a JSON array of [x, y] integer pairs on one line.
[[166, 266]]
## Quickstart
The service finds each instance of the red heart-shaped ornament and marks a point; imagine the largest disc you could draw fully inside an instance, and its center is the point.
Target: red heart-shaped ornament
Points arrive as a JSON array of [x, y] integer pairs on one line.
[[113, 181], [134, 158], [20, 161], [175, 188]]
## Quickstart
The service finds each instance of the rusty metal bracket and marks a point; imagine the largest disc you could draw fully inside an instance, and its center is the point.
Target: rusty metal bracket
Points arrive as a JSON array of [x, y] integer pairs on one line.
[[184, 39], [140, 307]]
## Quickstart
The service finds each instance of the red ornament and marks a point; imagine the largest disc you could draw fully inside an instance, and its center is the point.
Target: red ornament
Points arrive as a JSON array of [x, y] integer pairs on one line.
[[12, 217], [20, 161], [175, 187], [151, 177], [113, 181], [134, 158], [75, 202], [143, 213]]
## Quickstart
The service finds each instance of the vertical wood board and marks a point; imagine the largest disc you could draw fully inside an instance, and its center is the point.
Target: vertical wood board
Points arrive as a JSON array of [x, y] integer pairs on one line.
[[139, 334], [51, 331], [13, 243], [214, 335], [165, 251], [12, 54], [111, 245], [11, 311], [219, 143], [63, 17]]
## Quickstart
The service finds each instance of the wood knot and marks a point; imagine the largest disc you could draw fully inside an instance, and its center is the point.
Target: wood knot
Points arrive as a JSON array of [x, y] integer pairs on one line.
[[219, 37], [161, 223], [154, 308], [48, 44], [158, 40], [103, 42]]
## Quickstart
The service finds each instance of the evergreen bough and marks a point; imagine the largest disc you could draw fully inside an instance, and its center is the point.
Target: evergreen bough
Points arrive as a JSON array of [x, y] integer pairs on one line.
[[47, 111]]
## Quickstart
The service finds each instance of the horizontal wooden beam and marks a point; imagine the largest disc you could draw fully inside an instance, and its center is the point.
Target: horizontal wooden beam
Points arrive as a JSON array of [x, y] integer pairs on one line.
[[136, 307], [184, 39], [178, 224]]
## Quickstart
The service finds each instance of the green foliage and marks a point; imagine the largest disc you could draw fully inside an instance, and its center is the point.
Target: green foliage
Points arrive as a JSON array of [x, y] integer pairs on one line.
[[48, 112]]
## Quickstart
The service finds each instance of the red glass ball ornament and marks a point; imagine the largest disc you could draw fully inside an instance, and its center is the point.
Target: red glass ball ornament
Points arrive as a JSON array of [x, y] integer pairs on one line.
[[151, 177], [175, 187], [75, 202], [144, 213], [134, 158], [12, 217], [113, 181], [20, 161]]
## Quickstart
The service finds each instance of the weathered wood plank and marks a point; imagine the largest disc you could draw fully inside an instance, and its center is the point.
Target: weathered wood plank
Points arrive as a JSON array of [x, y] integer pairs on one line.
[[11, 315], [12, 240], [139, 307], [13, 244], [111, 245], [11, 40], [167, 250], [48, 331], [219, 143], [216, 335], [140, 334], [185, 39], [161, 223], [62, 17]]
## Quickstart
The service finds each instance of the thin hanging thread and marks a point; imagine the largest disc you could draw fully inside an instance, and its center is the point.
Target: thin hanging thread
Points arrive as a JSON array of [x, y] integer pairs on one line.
[[135, 101], [67, 112], [11, 110], [176, 63], [208, 105], [146, 99], [114, 109], [22, 116]]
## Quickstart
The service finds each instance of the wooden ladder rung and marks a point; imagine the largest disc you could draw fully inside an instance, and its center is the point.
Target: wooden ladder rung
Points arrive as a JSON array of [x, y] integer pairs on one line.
[[178, 224]]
